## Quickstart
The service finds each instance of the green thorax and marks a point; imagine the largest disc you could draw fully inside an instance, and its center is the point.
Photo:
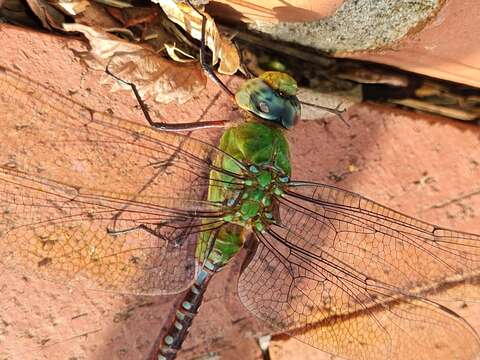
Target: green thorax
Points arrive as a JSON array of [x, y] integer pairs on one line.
[[281, 82], [265, 166], [255, 144]]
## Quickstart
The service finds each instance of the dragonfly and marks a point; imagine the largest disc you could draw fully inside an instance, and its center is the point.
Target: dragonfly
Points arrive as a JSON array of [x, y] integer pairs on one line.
[[331, 268]]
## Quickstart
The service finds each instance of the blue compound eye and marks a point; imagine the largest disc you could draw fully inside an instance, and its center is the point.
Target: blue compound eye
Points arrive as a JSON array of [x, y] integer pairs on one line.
[[260, 99]]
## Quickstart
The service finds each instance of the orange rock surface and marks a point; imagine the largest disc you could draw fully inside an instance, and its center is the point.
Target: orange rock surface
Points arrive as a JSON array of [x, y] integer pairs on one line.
[[446, 48], [424, 166], [273, 10]]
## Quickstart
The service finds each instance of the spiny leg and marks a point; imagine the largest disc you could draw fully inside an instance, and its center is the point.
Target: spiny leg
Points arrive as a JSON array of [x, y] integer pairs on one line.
[[187, 126], [336, 111], [203, 62]]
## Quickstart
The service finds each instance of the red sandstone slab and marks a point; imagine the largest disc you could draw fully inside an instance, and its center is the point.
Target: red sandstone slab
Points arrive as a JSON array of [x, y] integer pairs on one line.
[[446, 48], [424, 166], [272, 10]]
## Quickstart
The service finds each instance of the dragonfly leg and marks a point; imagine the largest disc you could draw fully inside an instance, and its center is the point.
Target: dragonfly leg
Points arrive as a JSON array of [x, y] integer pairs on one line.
[[136, 228], [203, 61], [189, 126], [176, 241], [337, 110], [131, 229]]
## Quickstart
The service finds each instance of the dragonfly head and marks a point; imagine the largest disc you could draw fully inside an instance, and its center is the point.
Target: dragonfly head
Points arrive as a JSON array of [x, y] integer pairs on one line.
[[272, 97]]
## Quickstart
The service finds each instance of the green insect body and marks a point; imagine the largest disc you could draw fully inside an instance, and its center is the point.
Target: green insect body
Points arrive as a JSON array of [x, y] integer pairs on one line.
[[266, 151], [246, 183]]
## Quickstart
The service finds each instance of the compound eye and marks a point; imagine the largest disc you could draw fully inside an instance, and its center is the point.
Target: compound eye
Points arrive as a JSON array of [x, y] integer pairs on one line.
[[263, 107]]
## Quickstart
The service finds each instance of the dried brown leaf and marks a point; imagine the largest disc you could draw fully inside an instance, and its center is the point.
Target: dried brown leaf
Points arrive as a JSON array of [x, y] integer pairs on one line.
[[178, 54], [155, 77], [47, 14], [119, 4], [71, 7], [97, 15], [222, 48], [16, 12]]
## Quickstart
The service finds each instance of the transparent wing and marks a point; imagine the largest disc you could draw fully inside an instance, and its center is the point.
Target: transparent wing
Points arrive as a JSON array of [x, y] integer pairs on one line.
[[351, 277], [90, 197]]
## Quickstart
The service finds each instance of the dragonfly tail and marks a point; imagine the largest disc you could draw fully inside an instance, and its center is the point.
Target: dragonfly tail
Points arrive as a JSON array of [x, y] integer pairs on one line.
[[171, 338]]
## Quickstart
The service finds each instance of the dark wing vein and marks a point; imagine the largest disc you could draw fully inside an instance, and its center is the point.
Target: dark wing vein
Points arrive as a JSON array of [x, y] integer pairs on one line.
[[89, 197], [353, 278]]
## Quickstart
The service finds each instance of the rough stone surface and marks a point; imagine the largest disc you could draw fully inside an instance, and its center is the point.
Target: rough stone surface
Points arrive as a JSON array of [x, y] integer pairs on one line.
[[446, 48], [443, 45], [424, 166], [356, 25]]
